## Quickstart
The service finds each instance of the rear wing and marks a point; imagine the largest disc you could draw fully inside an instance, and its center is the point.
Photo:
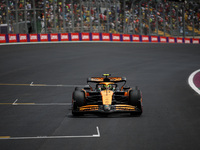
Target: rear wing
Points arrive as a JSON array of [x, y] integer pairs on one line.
[[106, 79]]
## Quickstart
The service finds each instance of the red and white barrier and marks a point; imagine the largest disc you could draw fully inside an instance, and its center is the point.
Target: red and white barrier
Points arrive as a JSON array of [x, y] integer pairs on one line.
[[2, 38], [75, 37], [171, 40], [116, 37], [105, 37], [145, 38], [33, 37], [64, 37], [44, 37], [54, 37], [187, 41], [13, 38], [95, 37], [163, 39], [85, 36], [154, 39], [136, 38], [195, 41], [179, 40], [126, 38]]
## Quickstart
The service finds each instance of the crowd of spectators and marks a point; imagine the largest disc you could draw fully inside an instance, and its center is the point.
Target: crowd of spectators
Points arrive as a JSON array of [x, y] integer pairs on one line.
[[112, 16]]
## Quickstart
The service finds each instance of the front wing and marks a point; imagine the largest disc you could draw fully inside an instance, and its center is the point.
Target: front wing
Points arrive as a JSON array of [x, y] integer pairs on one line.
[[120, 108]]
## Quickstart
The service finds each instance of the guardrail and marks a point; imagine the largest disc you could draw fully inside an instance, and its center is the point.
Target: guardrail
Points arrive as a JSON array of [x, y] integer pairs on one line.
[[15, 38]]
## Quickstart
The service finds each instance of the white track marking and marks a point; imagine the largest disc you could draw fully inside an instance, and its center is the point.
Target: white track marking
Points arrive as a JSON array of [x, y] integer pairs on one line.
[[51, 137], [57, 85], [15, 102], [37, 104], [191, 83], [52, 104], [98, 132], [40, 85], [31, 84]]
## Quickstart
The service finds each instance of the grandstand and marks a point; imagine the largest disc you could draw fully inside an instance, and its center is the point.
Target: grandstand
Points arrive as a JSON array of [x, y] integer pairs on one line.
[[144, 17]]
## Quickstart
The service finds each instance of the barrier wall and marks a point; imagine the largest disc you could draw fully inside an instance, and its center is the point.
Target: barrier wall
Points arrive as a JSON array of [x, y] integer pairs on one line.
[[15, 38]]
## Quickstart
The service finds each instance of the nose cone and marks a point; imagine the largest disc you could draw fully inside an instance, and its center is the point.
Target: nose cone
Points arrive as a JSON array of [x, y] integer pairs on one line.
[[107, 107]]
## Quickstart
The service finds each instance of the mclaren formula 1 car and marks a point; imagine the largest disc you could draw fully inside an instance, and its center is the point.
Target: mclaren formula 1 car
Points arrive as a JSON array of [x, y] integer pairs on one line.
[[107, 95]]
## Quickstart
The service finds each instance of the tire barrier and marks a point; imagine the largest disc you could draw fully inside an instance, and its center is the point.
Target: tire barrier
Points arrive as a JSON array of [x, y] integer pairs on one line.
[[15, 38]]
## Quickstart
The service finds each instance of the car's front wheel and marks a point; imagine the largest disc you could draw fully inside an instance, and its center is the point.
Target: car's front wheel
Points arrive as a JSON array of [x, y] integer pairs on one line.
[[78, 98], [135, 99]]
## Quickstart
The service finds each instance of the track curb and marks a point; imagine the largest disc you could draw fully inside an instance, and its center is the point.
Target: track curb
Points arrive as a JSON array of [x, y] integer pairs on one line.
[[194, 81]]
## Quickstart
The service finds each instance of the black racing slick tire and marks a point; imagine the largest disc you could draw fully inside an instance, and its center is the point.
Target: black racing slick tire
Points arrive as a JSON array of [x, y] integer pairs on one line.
[[78, 101], [135, 99]]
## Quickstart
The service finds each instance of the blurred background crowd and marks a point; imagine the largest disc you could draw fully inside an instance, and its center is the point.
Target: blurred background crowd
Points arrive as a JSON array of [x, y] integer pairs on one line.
[[145, 17]]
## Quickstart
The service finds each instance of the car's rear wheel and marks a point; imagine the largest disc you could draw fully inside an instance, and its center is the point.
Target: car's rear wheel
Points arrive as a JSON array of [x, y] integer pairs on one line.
[[78, 101], [135, 99]]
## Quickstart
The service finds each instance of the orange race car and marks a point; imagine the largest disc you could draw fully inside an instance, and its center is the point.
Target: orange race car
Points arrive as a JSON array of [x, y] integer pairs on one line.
[[106, 96]]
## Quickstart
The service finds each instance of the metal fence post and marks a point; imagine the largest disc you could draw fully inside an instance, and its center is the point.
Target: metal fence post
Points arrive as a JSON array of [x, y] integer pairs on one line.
[[177, 21], [25, 16], [54, 14], [97, 3], [16, 13], [81, 11], [141, 17], [7, 18], [107, 17], [149, 18], [45, 22], [116, 17], [157, 18], [183, 19], [171, 28], [124, 25], [193, 27], [34, 17], [72, 10], [133, 13], [63, 13], [164, 19], [90, 16]]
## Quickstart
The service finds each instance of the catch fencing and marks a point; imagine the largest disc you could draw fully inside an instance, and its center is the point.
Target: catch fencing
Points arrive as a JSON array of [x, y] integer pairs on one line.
[[137, 17]]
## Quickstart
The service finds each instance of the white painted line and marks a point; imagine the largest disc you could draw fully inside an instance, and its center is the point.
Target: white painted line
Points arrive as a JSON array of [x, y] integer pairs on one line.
[[31, 84], [40, 85], [98, 132], [191, 83], [51, 137], [57, 85], [15, 102], [49, 104], [43, 104], [37, 104]]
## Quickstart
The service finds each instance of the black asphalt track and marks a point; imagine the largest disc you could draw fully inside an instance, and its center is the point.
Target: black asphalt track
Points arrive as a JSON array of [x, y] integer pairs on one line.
[[171, 118]]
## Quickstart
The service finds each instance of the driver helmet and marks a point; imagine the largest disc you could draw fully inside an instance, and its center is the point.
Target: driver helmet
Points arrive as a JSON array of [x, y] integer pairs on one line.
[[109, 87]]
